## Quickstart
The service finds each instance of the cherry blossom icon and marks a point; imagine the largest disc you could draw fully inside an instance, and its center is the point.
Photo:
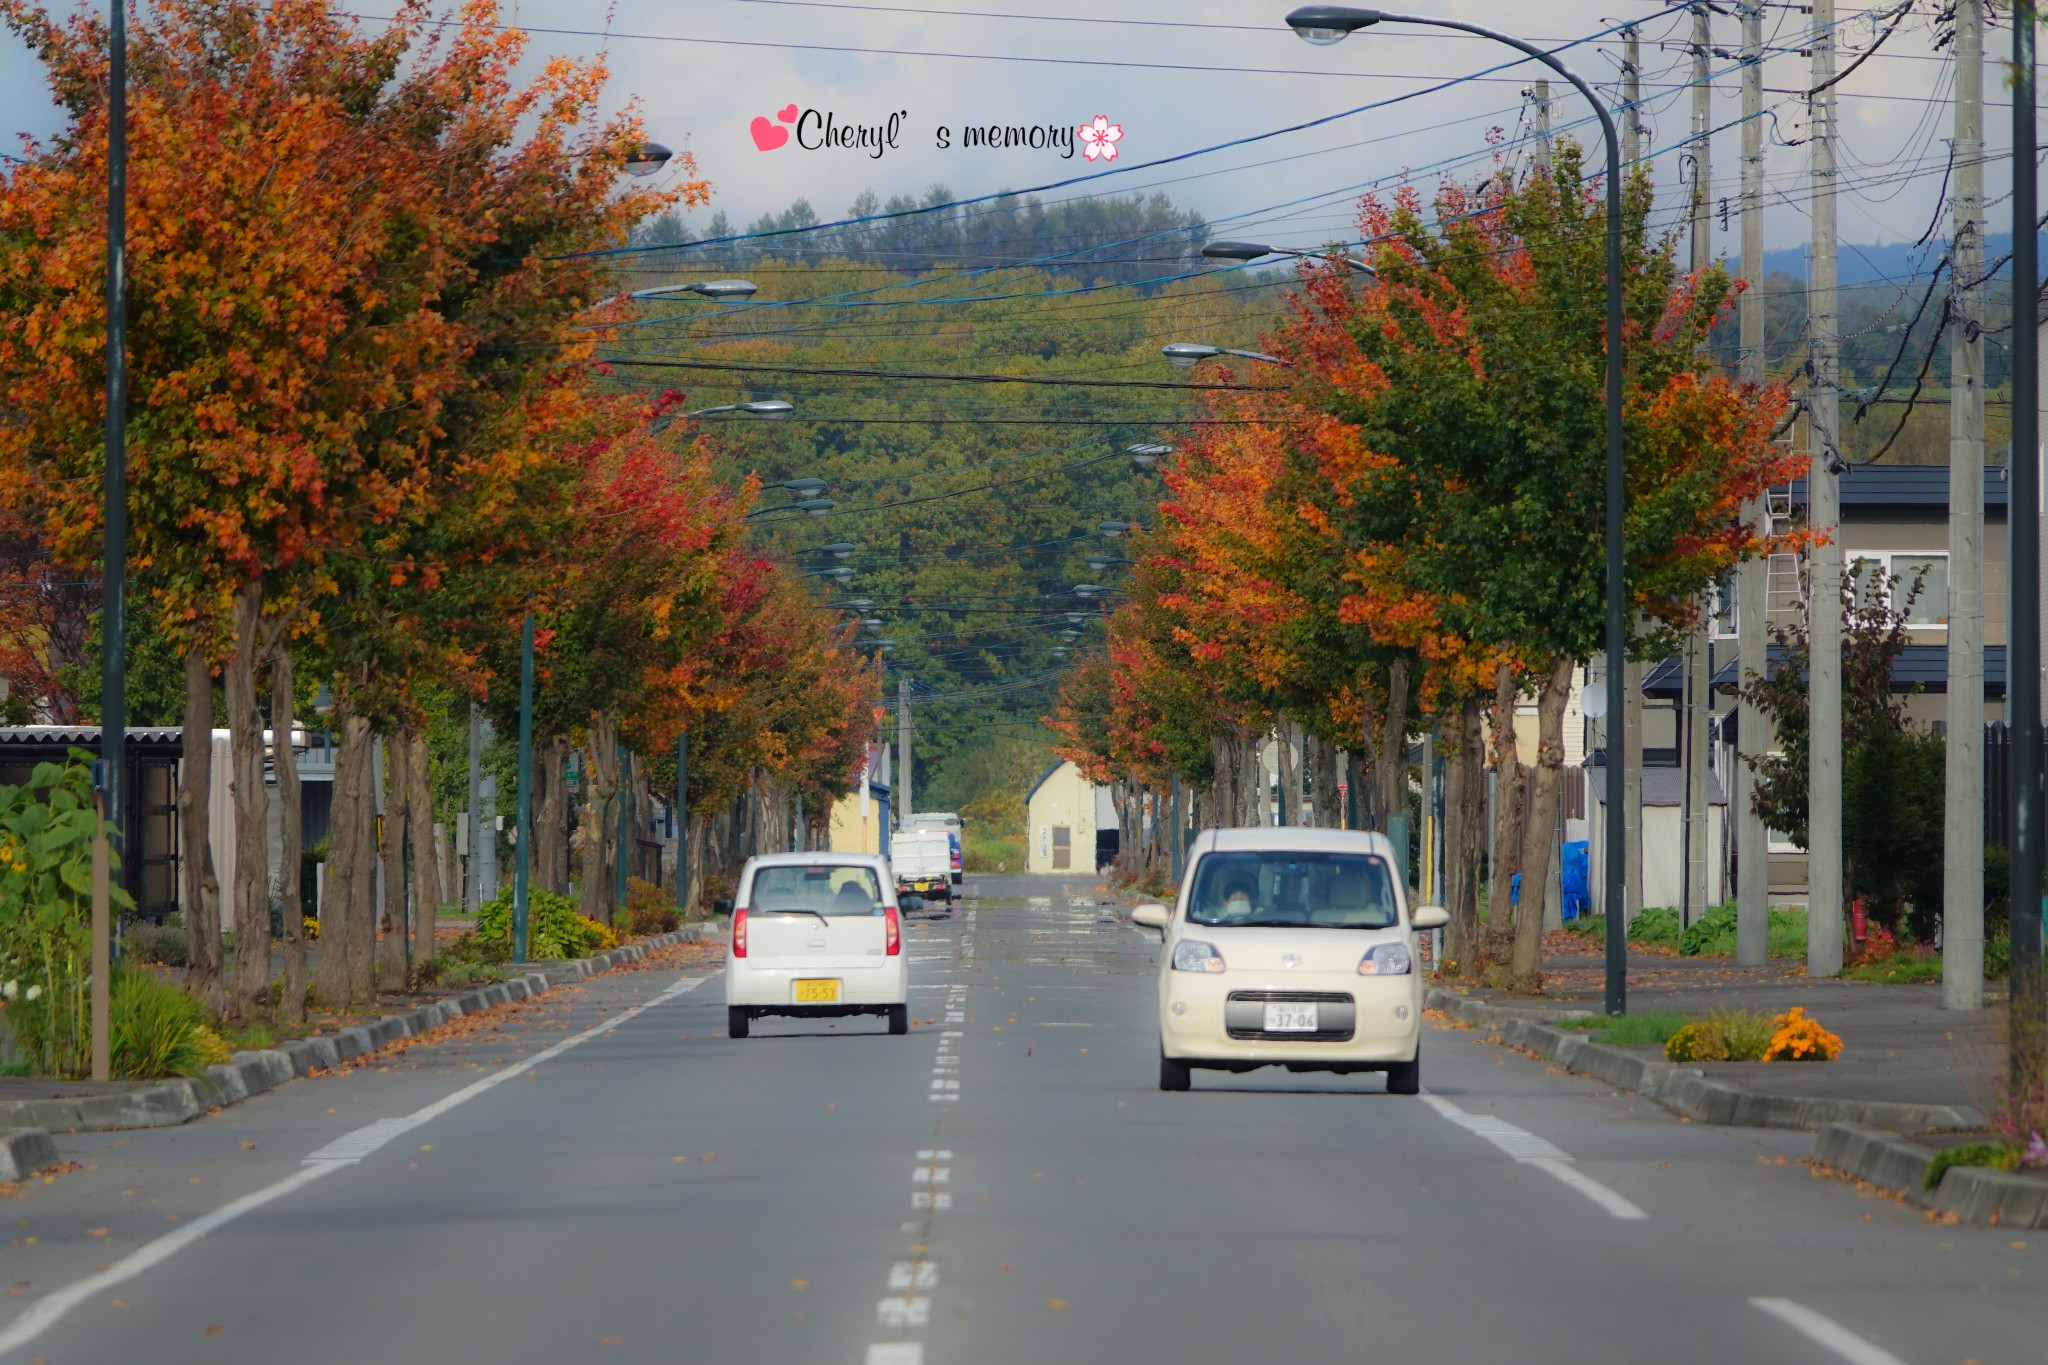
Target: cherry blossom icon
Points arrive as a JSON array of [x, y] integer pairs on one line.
[[1099, 138]]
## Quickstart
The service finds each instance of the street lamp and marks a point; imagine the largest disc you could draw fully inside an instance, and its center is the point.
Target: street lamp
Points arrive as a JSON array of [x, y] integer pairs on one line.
[[839, 550], [767, 409], [1188, 354], [1100, 562], [1251, 251], [646, 159], [1086, 589], [1145, 454], [1113, 529], [1324, 24], [710, 289]]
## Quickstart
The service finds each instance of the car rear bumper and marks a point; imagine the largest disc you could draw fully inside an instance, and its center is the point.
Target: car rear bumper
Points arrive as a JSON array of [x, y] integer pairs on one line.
[[1380, 1021], [776, 986]]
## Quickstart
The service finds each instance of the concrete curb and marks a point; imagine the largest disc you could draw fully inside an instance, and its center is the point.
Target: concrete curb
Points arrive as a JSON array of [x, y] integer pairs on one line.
[[27, 1124], [1973, 1194], [1690, 1092]]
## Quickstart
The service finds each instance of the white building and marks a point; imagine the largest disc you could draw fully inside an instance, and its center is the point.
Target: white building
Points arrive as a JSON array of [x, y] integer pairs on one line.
[[1065, 817]]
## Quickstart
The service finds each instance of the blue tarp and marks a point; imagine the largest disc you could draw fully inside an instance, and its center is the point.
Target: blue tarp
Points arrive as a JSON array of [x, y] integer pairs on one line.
[[1578, 890]]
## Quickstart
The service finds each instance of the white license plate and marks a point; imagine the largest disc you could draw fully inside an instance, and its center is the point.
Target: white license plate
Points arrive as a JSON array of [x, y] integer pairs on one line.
[[1291, 1019]]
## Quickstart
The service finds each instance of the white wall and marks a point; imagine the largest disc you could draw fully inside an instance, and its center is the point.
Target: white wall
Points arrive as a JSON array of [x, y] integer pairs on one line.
[[1065, 799]]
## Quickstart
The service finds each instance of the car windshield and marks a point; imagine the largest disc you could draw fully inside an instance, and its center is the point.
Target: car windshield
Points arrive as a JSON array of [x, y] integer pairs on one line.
[[1293, 890], [819, 888]]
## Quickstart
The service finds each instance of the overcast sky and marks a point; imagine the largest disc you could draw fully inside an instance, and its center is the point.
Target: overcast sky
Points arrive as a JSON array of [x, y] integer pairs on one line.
[[1195, 73]]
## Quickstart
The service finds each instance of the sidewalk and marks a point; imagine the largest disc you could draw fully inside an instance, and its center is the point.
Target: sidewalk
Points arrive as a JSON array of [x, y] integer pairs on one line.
[[1898, 1043]]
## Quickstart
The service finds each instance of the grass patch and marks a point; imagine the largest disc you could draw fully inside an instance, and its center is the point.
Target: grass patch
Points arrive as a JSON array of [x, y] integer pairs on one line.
[[992, 852], [1630, 1030], [1997, 1155], [21, 1068], [1896, 971], [1711, 935]]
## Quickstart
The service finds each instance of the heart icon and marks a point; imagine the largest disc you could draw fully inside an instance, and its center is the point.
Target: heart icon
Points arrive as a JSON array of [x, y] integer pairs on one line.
[[788, 115], [766, 135]]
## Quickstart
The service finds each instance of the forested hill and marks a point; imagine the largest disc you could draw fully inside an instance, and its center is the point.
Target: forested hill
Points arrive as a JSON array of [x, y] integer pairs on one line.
[[1133, 240], [973, 506]]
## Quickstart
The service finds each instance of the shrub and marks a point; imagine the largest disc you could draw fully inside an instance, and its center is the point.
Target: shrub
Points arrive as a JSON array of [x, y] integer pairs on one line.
[[162, 944], [1879, 945], [1796, 1037], [471, 951], [213, 1049], [553, 928], [1998, 1156], [1711, 935], [158, 1030], [457, 974], [1699, 1041], [1655, 925], [1721, 1036], [1997, 956], [649, 910]]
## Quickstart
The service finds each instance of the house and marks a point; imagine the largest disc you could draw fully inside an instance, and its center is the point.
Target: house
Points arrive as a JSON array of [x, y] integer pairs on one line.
[[1066, 820], [859, 821]]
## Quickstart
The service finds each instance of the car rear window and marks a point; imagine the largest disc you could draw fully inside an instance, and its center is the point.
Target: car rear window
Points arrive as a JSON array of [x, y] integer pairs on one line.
[[822, 888], [1294, 890]]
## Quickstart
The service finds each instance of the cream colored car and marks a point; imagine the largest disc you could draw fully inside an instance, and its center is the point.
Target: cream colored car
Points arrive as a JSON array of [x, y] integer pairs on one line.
[[1294, 948]]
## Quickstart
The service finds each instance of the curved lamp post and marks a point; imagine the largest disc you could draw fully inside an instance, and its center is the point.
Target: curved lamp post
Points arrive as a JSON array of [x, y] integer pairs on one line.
[[1146, 454], [767, 409], [709, 289], [1325, 24], [1188, 354], [1252, 251], [646, 159]]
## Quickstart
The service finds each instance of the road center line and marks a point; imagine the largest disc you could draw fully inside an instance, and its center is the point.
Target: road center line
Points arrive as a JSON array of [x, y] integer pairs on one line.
[[1825, 1331], [1530, 1150], [345, 1150]]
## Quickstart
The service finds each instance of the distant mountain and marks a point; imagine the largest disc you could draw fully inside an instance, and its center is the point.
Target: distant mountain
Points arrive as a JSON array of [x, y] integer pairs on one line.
[[1895, 262]]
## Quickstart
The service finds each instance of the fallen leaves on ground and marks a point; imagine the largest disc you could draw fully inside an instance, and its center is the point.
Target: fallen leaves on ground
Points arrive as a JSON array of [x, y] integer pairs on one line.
[[1056, 1305]]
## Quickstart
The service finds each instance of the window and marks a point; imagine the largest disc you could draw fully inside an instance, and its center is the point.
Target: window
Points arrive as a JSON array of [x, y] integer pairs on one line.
[[1929, 605], [1723, 619], [819, 888], [1293, 890], [1876, 580]]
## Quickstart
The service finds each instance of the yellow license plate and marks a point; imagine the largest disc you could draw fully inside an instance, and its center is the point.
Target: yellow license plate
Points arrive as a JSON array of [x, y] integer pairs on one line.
[[817, 992]]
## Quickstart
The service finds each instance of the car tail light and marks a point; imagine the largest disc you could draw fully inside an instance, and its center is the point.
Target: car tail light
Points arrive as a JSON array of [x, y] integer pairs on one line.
[[893, 929], [739, 932]]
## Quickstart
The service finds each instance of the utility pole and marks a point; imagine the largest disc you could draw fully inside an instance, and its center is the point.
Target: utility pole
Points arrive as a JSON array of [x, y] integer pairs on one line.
[[1630, 758], [2023, 652], [1543, 124], [1823, 493], [1699, 644], [1962, 934], [902, 791], [1752, 576]]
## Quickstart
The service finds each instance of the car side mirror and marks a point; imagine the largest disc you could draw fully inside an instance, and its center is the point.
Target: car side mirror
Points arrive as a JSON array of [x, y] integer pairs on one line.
[[721, 907], [1428, 917], [1152, 916]]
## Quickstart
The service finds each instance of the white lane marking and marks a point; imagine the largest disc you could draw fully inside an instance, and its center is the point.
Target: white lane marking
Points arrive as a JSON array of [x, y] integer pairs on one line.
[[1825, 1331], [913, 1275], [939, 1153], [896, 1353], [40, 1316], [1530, 1150], [927, 1199], [904, 1310]]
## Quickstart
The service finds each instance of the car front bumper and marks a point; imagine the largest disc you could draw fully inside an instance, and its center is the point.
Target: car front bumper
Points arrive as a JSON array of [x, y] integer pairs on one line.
[[1219, 1017]]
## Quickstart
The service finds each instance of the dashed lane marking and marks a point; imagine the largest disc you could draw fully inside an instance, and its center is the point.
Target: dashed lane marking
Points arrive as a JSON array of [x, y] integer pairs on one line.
[[1825, 1331], [1530, 1150]]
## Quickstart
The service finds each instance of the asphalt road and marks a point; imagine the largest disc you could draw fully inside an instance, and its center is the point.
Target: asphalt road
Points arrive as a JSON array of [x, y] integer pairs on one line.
[[1006, 1184]]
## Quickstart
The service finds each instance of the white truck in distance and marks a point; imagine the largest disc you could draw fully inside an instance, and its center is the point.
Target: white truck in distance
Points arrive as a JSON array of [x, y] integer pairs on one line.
[[923, 863]]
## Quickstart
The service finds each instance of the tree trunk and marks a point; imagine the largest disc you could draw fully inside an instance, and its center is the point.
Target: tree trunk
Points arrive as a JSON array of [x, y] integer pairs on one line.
[[1510, 794], [1539, 835], [331, 977], [391, 955], [199, 899], [600, 821], [292, 1000], [1390, 769], [550, 868], [426, 873], [1464, 799], [1287, 734], [1251, 786], [248, 995], [358, 746], [1320, 758]]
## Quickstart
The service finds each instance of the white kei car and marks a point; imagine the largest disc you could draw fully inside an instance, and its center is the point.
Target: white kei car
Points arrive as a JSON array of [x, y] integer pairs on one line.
[[1294, 948], [815, 935]]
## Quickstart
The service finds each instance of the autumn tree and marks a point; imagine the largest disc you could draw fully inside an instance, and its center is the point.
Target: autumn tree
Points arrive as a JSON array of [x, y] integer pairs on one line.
[[1465, 460]]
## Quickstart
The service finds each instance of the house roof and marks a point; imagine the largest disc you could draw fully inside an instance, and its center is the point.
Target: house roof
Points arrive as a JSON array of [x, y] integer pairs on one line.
[[54, 741], [1905, 487], [1919, 667], [1043, 778], [1661, 786]]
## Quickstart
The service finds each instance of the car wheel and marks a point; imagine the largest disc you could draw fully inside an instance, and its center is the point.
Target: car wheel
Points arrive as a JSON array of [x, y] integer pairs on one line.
[[1405, 1078], [1174, 1073], [899, 1018], [736, 1020]]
